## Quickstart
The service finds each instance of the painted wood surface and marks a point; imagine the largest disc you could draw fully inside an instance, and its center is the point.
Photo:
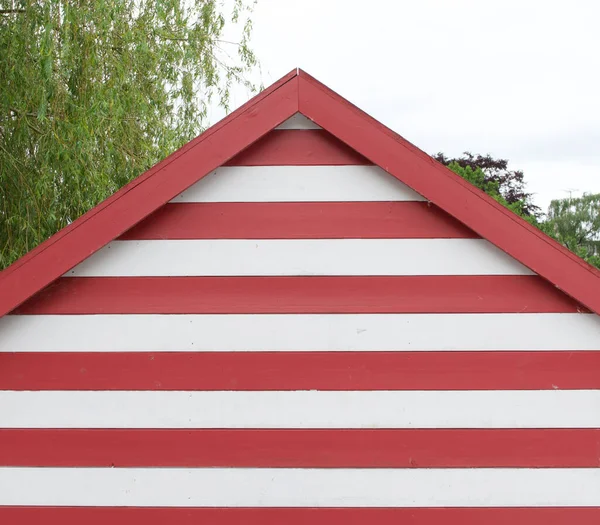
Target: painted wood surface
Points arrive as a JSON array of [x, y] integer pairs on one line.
[[307, 332], [298, 184], [299, 220], [223, 257], [301, 516], [310, 147], [302, 409], [312, 294], [217, 487], [301, 448], [458, 370]]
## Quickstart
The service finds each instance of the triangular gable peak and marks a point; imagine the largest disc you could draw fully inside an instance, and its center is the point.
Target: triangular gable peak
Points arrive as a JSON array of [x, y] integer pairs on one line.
[[298, 222], [300, 119]]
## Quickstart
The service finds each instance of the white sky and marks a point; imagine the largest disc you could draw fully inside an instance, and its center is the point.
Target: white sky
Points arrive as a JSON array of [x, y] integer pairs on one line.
[[519, 79]]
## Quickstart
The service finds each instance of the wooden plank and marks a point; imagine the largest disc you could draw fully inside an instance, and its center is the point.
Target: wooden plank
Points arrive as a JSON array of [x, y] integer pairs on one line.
[[298, 220], [302, 409], [301, 516], [368, 448], [299, 147], [316, 294], [280, 257], [300, 371], [215, 487], [290, 332], [298, 184]]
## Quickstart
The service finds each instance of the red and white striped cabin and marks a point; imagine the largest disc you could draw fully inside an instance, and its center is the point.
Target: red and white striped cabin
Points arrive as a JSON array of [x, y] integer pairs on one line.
[[299, 317]]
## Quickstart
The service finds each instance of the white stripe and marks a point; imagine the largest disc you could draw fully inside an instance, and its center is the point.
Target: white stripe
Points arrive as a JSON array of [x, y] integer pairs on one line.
[[299, 257], [291, 332], [223, 487], [298, 184], [301, 409], [298, 121]]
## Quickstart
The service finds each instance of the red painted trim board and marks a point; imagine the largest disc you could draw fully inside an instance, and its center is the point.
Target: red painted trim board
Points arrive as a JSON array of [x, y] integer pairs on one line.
[[299, 220], [312, 294], [300, 516], [301, 371], [298, 147], [347, 448]]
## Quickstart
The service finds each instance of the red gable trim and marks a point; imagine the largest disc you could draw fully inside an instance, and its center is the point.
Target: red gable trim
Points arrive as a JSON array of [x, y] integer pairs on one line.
[[450, 192], [148, 192], [295, 92]]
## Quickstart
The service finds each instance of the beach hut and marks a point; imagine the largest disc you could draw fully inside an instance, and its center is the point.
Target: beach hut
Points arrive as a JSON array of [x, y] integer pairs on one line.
[[299, 317]]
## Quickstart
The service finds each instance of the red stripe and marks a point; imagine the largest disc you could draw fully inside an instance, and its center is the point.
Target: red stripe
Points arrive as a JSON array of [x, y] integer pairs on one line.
[[300, 371], [313, 294], [298, 147], [301, 448], [299, 220], [300, 516]]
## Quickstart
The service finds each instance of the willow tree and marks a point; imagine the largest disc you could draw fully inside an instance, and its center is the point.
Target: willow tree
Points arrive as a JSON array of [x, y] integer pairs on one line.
[[575, 223], [94, 92]]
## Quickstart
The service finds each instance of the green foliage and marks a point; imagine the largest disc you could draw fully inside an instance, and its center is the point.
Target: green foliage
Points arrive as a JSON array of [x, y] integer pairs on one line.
[[94, 92], [575, 223], [477, 177], [494, 176]]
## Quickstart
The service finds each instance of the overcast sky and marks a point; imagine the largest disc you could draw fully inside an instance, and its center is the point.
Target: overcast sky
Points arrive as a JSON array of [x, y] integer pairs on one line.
[[519, 79]]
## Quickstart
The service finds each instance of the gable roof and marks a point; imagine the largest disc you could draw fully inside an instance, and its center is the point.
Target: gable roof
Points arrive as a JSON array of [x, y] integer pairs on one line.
[[298, 92]]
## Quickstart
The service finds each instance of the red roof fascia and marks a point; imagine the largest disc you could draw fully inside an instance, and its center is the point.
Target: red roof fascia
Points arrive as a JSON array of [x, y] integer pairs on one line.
[[450, 192], [148, 192]]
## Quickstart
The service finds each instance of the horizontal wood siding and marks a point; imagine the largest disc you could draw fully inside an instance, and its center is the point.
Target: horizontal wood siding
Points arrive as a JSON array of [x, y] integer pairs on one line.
[[302, 409], [298, 184], [340, 370], [301, 516], [299, 257], [307, 332], [299, 220], [299, 448], [241, 487], [310, 294], [310, 147], [299, 337]]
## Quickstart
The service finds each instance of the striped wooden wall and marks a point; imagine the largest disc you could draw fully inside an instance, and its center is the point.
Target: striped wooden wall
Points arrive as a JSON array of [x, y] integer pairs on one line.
[[297, 338]]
